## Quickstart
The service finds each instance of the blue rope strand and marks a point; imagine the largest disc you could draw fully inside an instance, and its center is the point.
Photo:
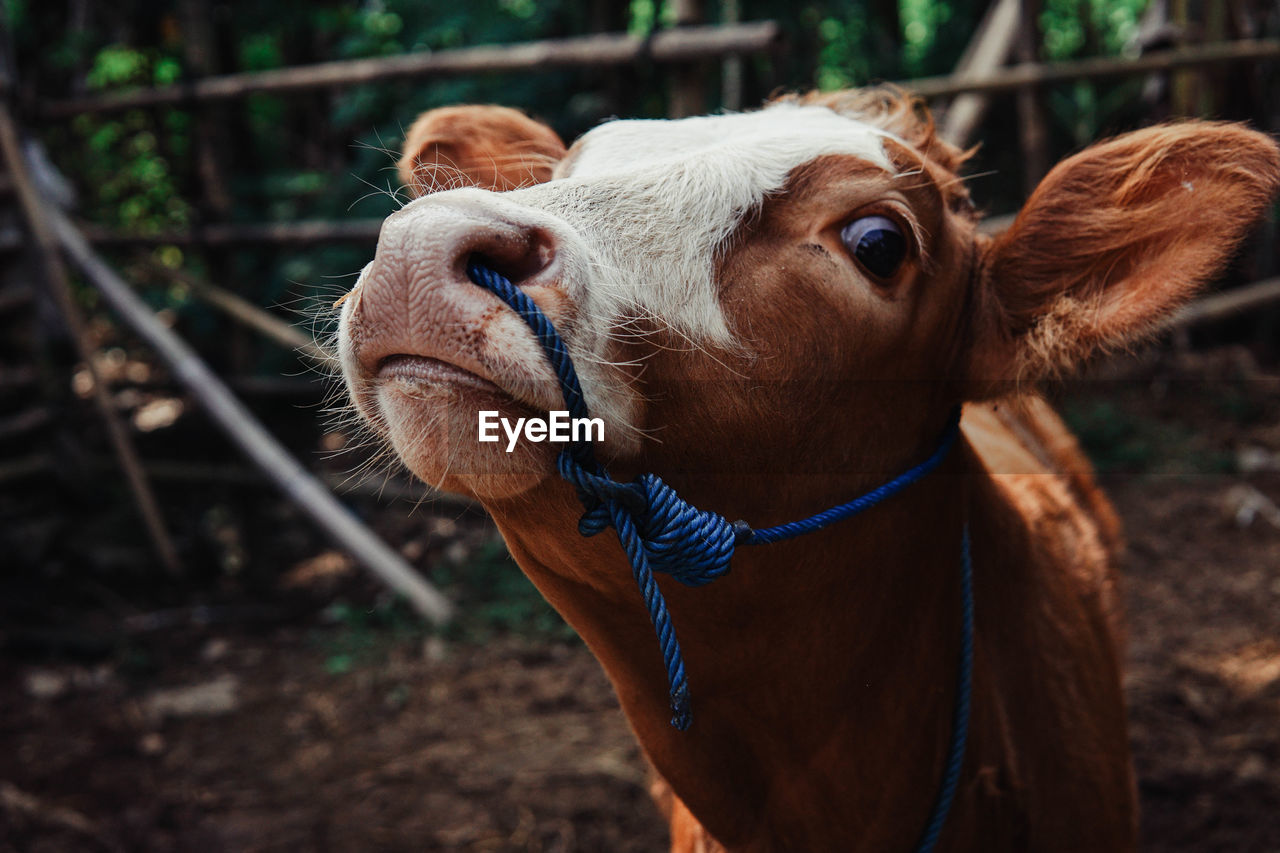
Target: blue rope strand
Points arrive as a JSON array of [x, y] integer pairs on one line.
[[657, 530], [660, 532], [863, 502]]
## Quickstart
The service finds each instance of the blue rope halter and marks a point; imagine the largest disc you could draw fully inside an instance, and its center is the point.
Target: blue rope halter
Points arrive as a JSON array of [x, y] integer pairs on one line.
[[661, 532]]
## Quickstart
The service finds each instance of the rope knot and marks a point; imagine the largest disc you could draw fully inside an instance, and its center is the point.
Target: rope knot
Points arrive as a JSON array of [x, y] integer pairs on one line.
[[694, 546]]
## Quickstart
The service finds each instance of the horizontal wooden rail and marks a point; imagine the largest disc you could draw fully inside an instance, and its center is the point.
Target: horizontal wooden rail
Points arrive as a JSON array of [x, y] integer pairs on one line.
[[361, 231], [24, 423], [1037, 74], [676, 45], [1226, 303], [681, 44]]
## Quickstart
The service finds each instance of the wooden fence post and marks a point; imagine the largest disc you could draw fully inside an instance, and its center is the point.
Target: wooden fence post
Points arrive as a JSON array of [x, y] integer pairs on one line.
[[731, 69], [60, 285], [688, 86], [1033, 129], [987, 51]]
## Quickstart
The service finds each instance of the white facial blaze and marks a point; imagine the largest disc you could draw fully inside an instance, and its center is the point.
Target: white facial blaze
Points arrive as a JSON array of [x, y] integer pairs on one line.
[[637, 216], [649, 202]]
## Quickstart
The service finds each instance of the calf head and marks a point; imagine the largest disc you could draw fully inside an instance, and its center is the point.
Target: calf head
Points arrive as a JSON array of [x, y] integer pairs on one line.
[[800, 288]]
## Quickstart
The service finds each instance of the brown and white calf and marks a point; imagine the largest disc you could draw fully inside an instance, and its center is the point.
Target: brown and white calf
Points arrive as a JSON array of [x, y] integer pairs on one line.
[[741, 337]]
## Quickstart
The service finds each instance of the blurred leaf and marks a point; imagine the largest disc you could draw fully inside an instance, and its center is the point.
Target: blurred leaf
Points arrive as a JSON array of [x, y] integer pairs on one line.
[[117, 65]]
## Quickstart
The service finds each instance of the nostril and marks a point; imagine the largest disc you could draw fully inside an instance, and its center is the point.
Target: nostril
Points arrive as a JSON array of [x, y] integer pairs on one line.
[[518, 260]]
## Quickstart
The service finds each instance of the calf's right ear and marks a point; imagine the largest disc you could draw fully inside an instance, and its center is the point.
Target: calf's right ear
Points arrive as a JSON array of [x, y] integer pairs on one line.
[[1113, 240], [494, 148]]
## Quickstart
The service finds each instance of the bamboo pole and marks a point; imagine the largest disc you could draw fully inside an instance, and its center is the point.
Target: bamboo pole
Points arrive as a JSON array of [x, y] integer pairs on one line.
[[672, 45], [1182, 86], [1037, 74], [59, 283], [363, 231], [688, 88], [246, 313], [731, 69], [240, 425], [1033, 125], [684, 44], [16, 426], [28, 466], [988, 50], [1228, 303]]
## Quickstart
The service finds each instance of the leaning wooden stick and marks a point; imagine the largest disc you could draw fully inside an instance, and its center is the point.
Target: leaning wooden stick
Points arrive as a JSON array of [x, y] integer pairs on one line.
[[60, 286], [987, 51], [246, 313], [240, 425]]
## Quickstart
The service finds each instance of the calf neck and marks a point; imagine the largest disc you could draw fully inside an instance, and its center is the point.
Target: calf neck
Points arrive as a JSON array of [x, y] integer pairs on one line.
[[775, 311]]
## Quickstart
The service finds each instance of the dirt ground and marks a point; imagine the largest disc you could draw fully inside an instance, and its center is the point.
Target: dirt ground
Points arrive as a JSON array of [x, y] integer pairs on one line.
[[318, 732]]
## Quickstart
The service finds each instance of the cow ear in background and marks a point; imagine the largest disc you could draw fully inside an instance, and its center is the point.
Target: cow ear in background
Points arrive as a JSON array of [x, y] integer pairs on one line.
[[494, 148], [1113, 240]]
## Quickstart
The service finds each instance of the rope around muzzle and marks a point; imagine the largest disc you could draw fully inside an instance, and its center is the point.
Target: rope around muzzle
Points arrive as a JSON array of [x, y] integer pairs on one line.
[[661, 532]]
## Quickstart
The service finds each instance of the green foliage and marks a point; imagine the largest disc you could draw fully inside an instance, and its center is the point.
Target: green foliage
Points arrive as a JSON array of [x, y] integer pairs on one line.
[[134, 186], [115, 66], [1115, 440], [15, 12], [1067, 23], [922, 22], [842, 61], [362, 636], [494, 596], [1074, 28], [1119, 440], [261, 52], [128, 163], [643, 16]]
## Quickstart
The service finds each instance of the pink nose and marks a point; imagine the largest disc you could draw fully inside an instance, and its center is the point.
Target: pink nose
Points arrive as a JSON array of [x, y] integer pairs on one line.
[[416, 297], [431, 244]]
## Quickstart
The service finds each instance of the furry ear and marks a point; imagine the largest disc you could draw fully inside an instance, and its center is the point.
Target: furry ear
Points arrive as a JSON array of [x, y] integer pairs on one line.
[[494, 148], [1115, 238]]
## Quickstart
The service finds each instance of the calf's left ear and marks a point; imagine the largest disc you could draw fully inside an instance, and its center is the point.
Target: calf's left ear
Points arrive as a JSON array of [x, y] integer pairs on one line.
[[494, 148], [1114, 239]]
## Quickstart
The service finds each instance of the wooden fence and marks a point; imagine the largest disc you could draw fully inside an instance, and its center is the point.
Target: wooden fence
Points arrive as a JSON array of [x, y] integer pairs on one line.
[[672, 46], [676, 47]]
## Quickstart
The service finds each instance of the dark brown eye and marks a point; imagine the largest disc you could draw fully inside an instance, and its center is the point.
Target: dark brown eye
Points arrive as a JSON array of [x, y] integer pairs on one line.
[[878, 244]]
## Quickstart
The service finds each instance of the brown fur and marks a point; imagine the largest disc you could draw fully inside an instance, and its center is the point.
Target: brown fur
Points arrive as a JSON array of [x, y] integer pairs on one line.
[[823, 668], [495, 148], [1136, 221], [897, 111]]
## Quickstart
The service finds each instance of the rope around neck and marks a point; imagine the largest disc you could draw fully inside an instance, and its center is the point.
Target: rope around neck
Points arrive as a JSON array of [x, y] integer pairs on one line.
[[661, 532]]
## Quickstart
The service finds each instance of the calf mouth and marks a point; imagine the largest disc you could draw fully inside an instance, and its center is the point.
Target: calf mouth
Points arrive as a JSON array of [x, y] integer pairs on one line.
[[428, 406], [431, 382], [425, 370], [469, 382]]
